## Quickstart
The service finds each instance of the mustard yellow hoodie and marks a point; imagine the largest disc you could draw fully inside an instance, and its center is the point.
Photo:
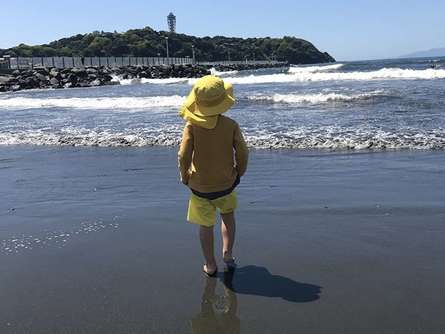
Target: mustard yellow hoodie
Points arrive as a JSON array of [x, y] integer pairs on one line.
[[210, 159]]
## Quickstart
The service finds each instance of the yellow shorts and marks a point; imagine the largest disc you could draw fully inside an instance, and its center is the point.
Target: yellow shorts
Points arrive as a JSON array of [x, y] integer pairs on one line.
[[202, 211]]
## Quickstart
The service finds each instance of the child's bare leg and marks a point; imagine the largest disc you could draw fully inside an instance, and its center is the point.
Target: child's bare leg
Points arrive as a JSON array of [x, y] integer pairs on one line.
[[206, 237], [228, 233]]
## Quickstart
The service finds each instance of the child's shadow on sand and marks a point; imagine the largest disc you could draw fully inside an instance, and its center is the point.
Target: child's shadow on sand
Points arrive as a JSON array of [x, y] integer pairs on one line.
[[255, 280]]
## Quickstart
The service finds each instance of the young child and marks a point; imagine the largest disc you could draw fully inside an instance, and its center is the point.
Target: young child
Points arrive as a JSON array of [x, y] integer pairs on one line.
[[212, 158]]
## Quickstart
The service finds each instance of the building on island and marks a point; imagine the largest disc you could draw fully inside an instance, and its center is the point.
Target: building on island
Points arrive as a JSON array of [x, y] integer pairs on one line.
[[171, 21]]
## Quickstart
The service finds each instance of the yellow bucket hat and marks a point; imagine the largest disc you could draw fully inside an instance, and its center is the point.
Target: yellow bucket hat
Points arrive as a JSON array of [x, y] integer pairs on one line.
[[210, 97]]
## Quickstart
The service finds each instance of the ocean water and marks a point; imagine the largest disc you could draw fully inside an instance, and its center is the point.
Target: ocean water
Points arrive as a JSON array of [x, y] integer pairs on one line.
[[368, 105]]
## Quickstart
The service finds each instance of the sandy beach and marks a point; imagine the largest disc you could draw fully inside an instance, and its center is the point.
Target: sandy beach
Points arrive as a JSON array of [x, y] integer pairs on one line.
[[94, 240]]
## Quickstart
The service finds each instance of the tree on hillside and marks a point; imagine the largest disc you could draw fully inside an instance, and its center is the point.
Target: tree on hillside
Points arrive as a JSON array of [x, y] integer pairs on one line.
[[100, 46]]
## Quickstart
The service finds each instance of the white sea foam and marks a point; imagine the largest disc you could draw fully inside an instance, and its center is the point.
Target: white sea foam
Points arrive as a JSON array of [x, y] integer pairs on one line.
[[382, 74], [124, 82], [213, 71], [165, 81], [160, 136], [314, 69], [315, 98], [336, 138], [320, 137], [93, 103]]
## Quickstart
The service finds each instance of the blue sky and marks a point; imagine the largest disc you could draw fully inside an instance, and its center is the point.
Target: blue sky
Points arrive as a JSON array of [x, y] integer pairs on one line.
[[347, 29]]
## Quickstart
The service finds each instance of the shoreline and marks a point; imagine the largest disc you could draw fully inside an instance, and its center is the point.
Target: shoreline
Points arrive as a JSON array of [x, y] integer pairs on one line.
[[278, 150], [173, 143]]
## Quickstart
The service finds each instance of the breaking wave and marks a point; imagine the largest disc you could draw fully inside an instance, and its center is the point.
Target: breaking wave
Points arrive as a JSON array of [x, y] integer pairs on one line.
[[214, 71], [93, 103], [323, 137], [173, 101], [315, 98], [307, 76], [314, 69], [165, 81]]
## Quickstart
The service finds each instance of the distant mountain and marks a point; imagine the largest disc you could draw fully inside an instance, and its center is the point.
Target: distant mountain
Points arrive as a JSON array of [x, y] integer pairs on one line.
[[147, 42], [438, 52]]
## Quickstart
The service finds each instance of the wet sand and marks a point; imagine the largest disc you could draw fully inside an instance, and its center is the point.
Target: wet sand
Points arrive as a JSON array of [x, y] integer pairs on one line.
[[94, 240]]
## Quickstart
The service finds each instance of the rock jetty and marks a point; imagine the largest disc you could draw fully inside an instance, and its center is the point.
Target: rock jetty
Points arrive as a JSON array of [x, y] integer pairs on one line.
[[100, 76]]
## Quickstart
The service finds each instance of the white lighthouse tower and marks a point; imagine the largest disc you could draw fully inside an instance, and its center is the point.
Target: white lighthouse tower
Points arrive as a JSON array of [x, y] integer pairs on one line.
[[171, 21]]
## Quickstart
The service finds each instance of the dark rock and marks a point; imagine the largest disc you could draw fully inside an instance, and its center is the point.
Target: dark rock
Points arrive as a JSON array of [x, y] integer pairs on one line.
[[41, 77], [13, 81], [55, 74], [83, 84], [4, 79], [80, 72], [42, 71], [28, 83], [106, 78], [54, 82], [95, 83], [72, 78]]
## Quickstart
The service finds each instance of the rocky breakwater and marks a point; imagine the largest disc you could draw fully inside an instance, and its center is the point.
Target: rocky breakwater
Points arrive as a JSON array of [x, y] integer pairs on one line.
[[55, 78], [92, 76], [100, 76], [161, 72]]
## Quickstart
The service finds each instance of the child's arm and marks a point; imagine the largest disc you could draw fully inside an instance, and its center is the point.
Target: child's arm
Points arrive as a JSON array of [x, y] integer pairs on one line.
[[185, 153], [241, 151]]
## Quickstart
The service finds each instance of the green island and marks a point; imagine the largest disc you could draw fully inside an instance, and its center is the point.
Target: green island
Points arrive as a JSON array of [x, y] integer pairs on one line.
[[147, 42]]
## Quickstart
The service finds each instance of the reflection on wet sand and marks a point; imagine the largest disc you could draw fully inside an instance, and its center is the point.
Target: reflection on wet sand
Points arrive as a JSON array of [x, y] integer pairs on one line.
[[218, 312]]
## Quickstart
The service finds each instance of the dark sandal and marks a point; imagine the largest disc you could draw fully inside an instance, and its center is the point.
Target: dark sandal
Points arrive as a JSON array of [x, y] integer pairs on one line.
[[230, 263], [213, 274]]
